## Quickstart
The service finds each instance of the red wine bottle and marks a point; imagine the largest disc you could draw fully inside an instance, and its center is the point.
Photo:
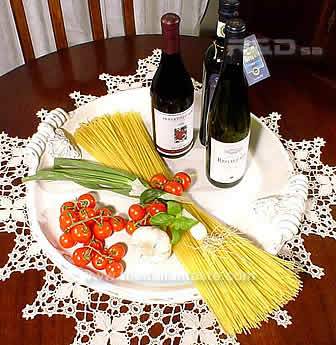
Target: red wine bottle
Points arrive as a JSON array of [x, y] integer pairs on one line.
[[172, 95]]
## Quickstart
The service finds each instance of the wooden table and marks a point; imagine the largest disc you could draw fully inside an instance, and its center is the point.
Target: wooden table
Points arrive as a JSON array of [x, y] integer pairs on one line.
[[308, 105]]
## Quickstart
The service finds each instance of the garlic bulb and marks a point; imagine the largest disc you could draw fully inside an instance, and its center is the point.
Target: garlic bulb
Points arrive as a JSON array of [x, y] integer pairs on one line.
[[151, 244]]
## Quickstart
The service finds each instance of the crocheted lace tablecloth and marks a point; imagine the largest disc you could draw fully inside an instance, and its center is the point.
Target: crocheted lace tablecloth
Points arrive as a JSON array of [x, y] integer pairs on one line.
[[102, 319]]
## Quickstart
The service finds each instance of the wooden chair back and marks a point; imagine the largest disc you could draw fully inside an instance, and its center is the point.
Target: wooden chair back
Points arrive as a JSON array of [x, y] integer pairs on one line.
[[56, 15]]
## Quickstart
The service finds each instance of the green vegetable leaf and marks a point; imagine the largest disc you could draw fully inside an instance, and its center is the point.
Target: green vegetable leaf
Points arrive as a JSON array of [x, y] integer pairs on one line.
[[183, 223], [176, 235], [162, 219], [174, 208], [150, 195]]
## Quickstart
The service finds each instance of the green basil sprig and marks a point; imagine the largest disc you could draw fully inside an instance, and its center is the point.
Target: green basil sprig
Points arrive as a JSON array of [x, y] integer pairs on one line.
[[173, 220], [150, 195]]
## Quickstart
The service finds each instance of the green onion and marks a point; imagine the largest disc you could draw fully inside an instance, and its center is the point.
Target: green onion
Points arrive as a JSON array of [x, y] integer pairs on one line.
[[91, 175], [90, 165]]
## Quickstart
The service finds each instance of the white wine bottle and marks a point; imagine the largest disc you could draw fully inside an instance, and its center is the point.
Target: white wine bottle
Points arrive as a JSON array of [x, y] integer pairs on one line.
[[229, 115]]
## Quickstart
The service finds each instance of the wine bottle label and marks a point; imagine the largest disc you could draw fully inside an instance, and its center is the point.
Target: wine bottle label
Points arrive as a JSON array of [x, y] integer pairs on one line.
[[174, 132], [255, 67], [220, 29], [228, 160]]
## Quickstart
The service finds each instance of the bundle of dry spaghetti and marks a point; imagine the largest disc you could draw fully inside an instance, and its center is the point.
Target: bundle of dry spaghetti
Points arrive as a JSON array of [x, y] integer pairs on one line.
[[240, 283]]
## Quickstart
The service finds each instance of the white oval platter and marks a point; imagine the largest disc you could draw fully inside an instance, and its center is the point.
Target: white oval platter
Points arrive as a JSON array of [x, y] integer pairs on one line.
[[268, 171]]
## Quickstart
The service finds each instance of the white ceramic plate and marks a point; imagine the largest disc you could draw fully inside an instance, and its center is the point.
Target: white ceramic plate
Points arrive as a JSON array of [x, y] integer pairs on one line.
[[268, 171]]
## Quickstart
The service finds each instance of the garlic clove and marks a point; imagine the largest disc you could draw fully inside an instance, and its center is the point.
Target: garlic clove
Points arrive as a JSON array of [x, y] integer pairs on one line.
[[151, 244]]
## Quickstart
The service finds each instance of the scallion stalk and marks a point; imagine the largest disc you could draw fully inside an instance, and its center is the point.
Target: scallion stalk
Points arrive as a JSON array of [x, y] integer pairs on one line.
[[88, 174]]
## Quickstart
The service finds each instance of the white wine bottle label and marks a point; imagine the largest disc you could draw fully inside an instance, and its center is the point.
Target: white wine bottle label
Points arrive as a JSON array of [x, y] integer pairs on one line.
[[174, 133], [220, 29], [228, 160]]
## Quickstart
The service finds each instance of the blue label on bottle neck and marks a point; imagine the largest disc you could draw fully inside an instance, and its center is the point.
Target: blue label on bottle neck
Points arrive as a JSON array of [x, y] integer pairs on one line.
[[255, 67]]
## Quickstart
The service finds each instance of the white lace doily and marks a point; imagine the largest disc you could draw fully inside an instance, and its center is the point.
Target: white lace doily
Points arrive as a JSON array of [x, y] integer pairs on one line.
[[103, 319]]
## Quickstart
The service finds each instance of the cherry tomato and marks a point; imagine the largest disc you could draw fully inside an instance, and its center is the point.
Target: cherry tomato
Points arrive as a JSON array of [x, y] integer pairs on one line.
[[66, 240], [99, 262], [158, 181], [184, 179], [102, 230], [81, 257], [86, 200], [105, 214], [81, 233], [155, 208], [114, 269], [97, 244], [136, 212], [68, 206], [130, 227], [173, 187], [118, 223], [105, 252], [67, 218], [86, 213], [117, 251]]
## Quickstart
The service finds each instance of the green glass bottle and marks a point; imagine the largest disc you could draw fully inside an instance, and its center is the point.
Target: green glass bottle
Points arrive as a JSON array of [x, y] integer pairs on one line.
[[213, 59], [229, 115]]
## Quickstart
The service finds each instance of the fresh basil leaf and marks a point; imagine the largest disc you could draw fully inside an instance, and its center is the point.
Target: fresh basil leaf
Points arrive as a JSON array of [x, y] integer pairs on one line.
[[183, 223], [174, 208], [150, 195], [176, 235], [162, 219]]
